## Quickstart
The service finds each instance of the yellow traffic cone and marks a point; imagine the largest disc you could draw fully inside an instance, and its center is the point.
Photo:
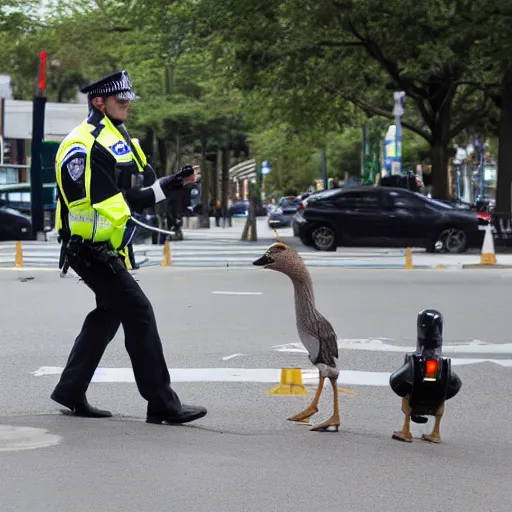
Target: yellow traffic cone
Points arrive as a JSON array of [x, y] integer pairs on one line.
[[291, 383], [488, 256]]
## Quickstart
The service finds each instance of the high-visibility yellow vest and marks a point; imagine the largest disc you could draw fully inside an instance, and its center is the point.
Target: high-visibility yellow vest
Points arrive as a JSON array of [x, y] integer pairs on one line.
[[105, 221]]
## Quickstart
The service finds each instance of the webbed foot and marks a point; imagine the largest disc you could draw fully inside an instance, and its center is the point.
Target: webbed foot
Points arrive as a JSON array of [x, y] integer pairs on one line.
[[431, 438], [400, 435], [303, 416]]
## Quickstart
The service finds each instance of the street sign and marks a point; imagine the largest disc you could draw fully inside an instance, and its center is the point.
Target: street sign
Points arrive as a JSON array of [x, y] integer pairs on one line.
[[398, 108], [395, 168], [265, 169]]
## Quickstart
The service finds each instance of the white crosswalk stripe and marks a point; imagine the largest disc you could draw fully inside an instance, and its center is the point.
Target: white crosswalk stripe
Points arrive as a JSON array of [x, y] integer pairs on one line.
[[198, 253], [222, 247], [204, 253]]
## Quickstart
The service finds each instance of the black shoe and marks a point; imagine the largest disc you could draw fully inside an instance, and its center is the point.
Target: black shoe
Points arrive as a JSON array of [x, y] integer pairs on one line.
[[188, 413], [81, 407]]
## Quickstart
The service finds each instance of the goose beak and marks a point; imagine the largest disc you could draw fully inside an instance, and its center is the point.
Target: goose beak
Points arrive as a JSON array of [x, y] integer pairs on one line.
[[264, 260]]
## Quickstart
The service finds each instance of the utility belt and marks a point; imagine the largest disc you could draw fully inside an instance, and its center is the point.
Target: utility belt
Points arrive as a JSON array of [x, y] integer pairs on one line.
[[80, 251]]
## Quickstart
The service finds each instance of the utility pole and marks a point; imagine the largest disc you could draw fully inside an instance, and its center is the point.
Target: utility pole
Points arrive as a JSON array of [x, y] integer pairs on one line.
[[398, 112], [36, 178], [324, 166]]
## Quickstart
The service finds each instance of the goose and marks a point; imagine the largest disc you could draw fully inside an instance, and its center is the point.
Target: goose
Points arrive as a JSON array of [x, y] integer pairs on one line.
[[315, 331]]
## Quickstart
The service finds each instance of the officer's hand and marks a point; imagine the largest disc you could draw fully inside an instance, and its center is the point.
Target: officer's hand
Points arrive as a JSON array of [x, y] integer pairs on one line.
[[188, 174], [185, 172]]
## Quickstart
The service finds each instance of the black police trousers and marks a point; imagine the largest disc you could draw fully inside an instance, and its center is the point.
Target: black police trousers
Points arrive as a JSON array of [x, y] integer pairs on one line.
[[120, 301]]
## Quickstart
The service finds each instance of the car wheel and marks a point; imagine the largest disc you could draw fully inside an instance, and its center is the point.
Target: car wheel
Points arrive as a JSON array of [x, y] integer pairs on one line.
[[324, 239], [451, 240]]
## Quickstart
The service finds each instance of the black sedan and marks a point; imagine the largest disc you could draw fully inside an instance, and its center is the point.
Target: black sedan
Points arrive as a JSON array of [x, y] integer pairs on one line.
[[386, 217], [14, 226]]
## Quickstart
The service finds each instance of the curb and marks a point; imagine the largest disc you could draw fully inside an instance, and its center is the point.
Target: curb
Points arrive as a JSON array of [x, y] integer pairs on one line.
[[495, 266]]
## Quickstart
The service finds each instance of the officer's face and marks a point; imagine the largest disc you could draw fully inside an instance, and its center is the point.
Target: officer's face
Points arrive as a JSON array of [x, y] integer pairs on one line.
[[117, 109]]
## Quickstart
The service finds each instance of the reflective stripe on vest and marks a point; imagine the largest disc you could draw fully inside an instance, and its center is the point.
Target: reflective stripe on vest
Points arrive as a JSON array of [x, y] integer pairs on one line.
[[106, 221]]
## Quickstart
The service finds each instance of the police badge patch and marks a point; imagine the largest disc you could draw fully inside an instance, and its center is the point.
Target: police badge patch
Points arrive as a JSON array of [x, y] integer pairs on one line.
[[76, 168], [120, 148]]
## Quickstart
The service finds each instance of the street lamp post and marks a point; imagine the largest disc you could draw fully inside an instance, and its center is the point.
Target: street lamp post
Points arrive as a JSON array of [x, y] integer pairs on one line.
[[36, 178], [398, 111], [480, 146], [265, 169]]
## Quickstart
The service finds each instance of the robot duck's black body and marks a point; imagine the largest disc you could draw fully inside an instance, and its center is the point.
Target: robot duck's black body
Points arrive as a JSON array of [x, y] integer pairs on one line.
[[426, 380]]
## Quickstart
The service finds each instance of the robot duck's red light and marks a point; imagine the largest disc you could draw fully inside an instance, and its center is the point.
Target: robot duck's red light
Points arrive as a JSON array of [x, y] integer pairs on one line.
[[431, 366]]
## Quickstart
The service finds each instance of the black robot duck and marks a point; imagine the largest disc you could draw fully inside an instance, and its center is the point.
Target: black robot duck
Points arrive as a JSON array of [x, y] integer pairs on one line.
[[426, 380]]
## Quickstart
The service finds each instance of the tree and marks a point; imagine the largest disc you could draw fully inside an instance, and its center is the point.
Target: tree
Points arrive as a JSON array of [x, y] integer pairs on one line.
[[362, 50], [493, 53]]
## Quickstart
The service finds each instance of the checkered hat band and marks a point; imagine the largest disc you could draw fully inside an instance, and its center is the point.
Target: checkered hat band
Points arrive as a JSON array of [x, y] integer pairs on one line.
[[122, 85]]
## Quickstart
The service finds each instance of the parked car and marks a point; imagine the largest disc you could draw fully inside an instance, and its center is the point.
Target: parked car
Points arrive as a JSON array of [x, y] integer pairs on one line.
[[239, 208], [283, 214], [14, 225], [297, 218], [387, 217]]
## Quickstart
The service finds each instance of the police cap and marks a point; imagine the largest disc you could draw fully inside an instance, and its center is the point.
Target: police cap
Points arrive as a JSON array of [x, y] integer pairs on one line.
[[117, 84]]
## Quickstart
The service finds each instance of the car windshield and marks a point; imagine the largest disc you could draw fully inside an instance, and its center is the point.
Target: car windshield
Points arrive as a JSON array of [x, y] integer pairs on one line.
[[289, 202], [324, 193], [434, 202]]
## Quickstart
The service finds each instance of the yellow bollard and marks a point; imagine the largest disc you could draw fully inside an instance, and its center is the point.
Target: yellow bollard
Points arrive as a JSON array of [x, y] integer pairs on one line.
[[167, 254], [19, 255], [291, 383], [408, 259]]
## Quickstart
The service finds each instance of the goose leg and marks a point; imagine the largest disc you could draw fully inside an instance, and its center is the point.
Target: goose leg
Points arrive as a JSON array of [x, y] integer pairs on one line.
[[334, 420], [435, 436], [312, 408], [405, 434]]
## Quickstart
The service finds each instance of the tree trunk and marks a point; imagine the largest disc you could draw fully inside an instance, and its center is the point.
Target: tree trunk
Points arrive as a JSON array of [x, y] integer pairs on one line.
[[249, 233], [439, 157], [169, 161], [147, 145], [439, 149], [225, 185], [204, 219], [178, 153], [162, 157], [504, 184]]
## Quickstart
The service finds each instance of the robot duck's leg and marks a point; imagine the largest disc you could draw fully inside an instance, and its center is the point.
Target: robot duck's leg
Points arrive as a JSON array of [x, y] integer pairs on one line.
[[435, 436], [405, 434]]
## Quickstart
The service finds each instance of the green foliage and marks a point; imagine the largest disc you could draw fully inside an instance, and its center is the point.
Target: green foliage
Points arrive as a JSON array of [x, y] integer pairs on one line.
[[321, 54], [291, 76]]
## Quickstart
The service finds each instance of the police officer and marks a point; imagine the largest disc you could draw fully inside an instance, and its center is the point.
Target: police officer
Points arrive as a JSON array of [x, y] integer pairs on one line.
[[102, 176]]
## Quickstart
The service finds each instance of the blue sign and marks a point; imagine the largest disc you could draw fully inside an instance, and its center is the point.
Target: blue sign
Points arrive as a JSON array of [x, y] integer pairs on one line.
[[265, 169]]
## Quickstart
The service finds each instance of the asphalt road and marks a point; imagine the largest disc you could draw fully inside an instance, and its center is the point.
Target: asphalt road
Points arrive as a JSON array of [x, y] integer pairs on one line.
[[244, 455]]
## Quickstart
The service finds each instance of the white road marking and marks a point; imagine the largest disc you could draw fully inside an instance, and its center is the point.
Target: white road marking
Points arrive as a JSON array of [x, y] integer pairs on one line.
[[237, 293], [232, 356], [258, 375], [377, 345]]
